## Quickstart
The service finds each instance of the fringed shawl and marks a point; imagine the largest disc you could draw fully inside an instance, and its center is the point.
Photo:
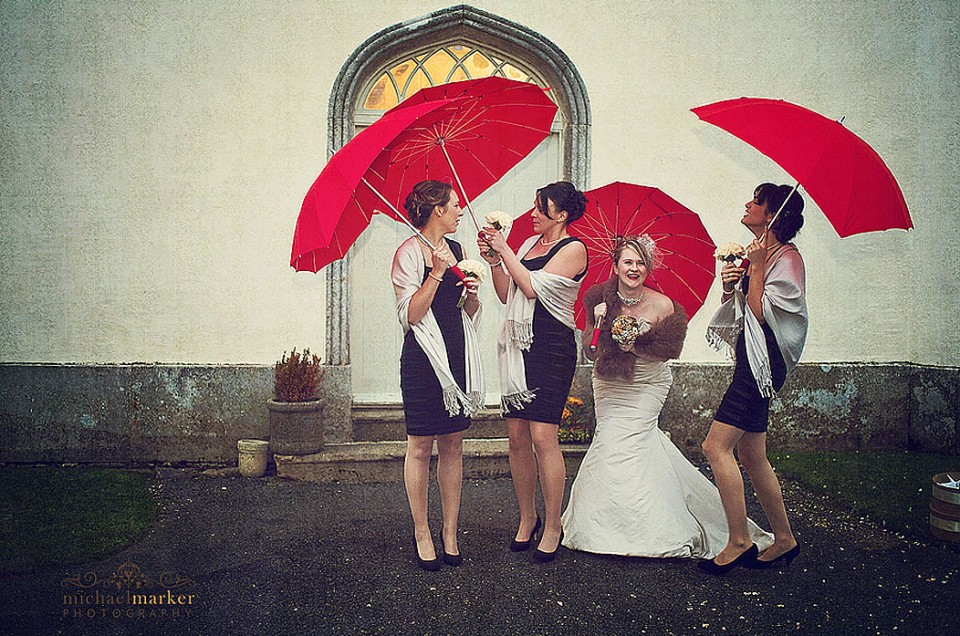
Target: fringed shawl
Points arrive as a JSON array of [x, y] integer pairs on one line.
[[784, 309], [663, 341], [557, 294], [407, 276]]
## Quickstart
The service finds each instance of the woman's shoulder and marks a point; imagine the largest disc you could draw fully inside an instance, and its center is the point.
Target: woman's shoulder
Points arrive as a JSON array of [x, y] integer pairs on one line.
[[662, 304]]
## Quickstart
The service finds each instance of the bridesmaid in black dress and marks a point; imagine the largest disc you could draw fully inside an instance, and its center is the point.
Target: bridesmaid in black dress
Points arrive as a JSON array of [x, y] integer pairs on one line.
[[549, 364], [434, 208]]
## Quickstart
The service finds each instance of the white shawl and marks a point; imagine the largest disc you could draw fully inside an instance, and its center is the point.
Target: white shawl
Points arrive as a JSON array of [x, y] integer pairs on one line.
[[407, 276], [557, 294], [784, 309]]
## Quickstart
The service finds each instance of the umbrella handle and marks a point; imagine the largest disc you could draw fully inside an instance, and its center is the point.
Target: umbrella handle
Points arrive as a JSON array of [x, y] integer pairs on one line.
[[458, 273], [595, 339]]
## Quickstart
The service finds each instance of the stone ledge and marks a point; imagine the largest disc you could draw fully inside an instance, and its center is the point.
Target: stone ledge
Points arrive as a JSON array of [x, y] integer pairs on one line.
[[375, 462]]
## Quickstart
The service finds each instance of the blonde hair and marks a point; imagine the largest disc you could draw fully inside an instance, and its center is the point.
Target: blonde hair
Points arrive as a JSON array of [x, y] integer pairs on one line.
[[642, 245]]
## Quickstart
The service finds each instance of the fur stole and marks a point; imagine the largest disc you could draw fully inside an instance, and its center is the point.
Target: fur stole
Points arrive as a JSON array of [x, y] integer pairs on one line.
[[662, 342]]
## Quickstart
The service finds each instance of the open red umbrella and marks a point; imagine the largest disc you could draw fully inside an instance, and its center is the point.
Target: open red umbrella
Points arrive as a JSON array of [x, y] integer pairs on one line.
[[845, 176], [687, 266], [339, 206], [466, 133]]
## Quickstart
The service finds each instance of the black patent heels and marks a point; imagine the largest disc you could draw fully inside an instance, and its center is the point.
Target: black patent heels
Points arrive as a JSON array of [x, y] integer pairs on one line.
[[431, 565], [450, 559], [520, 546], [782, 561], [710, 566], [539, 556]]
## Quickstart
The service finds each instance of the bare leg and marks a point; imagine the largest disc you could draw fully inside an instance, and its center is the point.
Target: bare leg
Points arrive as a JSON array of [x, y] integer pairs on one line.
[[552, 476], [416, 479], [450, 477], [752, 450], [718, 449], [523, 470]]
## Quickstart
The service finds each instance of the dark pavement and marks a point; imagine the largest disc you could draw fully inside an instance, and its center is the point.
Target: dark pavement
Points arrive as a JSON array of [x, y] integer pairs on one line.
[[270, 556]]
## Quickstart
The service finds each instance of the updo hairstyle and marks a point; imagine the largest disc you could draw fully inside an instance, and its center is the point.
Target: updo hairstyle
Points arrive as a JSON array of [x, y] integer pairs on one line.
[[790, 220], [425, 196], [565, 196], [642, 245]]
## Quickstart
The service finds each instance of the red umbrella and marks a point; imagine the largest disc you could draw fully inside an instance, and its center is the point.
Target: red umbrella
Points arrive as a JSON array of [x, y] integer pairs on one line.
[[845, 176], [338, 207], [467, 133], [687, 267]]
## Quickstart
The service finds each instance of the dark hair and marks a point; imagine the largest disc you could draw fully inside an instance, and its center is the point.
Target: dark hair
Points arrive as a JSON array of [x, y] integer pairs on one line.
[[565, 196], [425, 196], [790, 219]]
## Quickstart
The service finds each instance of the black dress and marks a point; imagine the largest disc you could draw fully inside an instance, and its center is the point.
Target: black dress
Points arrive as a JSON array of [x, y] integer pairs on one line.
[[422, 395], [742, 405], [552, 358]]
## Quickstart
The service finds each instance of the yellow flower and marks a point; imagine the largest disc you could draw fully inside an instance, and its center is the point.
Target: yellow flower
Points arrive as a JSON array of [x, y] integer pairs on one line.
[[566, 414]]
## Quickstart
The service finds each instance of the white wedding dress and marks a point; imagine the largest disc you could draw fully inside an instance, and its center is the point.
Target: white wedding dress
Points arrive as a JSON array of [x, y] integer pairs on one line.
[[636, 494]]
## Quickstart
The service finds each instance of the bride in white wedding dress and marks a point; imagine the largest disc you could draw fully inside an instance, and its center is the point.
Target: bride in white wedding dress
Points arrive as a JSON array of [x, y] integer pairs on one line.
[[636, 494]]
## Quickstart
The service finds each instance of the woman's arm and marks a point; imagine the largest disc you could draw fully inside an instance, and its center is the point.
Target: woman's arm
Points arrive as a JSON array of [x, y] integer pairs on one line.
[[757, 254], [423, 298]]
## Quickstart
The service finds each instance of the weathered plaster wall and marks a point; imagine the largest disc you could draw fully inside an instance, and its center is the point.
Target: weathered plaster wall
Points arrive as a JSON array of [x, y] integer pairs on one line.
[[155, 155]]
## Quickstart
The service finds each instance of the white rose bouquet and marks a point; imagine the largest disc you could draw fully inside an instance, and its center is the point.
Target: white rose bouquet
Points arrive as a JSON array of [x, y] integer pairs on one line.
[[730, 252], [498, 220], [472, 268]]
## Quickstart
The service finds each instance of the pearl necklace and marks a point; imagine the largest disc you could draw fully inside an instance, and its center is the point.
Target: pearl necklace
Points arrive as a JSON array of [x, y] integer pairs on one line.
[[631, 302], [549, 243]]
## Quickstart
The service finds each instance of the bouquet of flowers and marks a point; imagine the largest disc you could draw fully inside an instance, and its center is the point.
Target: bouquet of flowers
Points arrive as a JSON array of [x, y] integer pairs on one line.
[[498, 220], [472, 268], [730, 252], [626, 329]]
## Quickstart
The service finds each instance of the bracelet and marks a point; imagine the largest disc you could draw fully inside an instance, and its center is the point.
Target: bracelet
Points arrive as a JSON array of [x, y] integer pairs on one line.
[[439, 279]]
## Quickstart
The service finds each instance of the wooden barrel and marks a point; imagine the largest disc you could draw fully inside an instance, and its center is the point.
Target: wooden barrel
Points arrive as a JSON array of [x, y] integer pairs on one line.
[[945, 507]]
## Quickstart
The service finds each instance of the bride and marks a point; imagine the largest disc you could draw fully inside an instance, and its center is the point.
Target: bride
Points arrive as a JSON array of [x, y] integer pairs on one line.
[[635, 493]]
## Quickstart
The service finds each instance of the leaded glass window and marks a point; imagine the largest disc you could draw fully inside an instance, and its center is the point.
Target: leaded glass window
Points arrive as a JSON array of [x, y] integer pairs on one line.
[[438, 65]]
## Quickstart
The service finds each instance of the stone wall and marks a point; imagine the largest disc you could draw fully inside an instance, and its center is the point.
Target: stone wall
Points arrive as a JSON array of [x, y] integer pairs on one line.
[[134, 414]]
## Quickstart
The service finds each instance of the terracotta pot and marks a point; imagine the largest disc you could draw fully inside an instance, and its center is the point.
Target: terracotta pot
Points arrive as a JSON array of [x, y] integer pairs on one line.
[[296, 428]]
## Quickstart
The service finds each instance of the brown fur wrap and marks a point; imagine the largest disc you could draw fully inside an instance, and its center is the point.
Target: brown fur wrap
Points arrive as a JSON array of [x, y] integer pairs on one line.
[[663, 341]]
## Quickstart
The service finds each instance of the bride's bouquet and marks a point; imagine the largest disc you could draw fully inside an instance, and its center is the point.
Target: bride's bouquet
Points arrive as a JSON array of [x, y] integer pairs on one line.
[[626, 329], [472, 268]]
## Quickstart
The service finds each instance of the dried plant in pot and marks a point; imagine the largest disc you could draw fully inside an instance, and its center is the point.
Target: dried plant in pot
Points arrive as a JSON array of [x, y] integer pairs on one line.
[[296, 411]]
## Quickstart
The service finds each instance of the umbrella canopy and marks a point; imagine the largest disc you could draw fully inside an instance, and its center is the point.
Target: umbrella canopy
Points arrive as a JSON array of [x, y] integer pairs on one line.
[[686, 267], [845, 176], [337, 208], [466, 133]]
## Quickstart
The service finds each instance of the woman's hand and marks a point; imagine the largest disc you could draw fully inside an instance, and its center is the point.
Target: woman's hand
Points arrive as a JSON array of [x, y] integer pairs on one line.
[[599, 311], [756, 252], [730, 274], [486, 252], [441, 258], [493, 239], [471, 284]]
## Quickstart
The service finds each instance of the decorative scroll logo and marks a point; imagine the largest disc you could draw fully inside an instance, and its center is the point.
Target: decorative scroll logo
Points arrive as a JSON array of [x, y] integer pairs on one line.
[[128, 593]]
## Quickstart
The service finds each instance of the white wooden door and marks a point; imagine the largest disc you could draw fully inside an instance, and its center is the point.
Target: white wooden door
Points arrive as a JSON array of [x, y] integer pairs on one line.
[[375, 333]]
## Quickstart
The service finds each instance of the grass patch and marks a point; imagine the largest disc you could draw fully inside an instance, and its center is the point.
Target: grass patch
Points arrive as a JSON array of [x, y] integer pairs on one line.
[[59, 516], [892, 488]]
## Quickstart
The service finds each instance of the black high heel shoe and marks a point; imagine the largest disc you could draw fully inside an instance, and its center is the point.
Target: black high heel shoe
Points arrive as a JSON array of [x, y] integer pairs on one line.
[[450, 559], [520, 546], [539, 556], [782, 561], [710, 566], [431, 565]]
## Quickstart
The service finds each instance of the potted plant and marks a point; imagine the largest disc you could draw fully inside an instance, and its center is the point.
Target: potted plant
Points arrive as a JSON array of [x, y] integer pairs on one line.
[[577, 423], [296, 410]]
